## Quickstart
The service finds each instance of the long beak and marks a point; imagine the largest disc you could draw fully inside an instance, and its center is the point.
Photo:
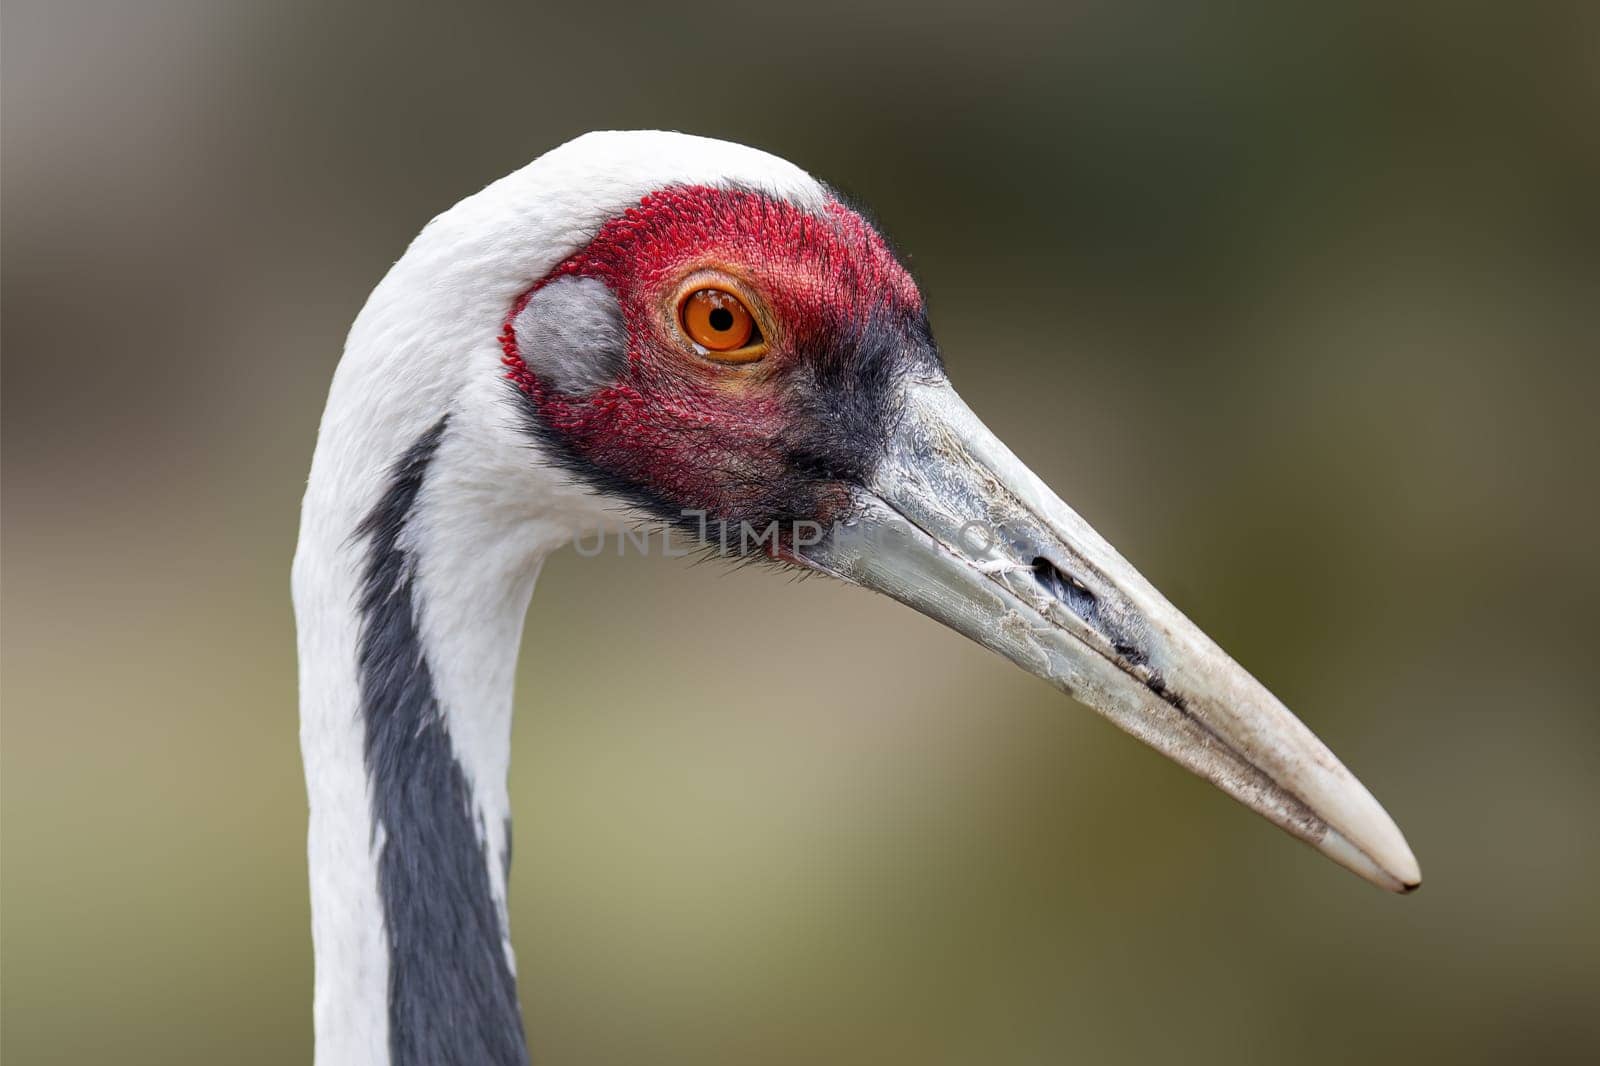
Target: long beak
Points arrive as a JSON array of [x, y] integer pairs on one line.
[[957, 527]]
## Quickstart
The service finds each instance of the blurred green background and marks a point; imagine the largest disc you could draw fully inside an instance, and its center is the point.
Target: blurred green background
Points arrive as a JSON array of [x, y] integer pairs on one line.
[[1296, 303]]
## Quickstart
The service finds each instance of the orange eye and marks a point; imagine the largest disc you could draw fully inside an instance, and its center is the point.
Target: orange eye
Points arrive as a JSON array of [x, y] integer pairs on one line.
[[719, 322]]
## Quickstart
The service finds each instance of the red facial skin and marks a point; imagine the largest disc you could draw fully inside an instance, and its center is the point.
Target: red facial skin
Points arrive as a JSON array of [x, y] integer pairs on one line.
[[694, 434]]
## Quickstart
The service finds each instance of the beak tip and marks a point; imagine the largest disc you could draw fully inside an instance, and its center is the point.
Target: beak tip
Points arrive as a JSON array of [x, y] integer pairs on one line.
[[1395, 871], [1401, 867], [1409, 876], [1406, 873], [1401, 863]]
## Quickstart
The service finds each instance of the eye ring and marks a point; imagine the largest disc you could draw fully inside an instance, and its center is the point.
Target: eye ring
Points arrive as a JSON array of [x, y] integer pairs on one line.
[[719, 324]]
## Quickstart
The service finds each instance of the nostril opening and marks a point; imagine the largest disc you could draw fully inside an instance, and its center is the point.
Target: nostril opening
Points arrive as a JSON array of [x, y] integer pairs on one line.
[[1067, 589], [1075, 595]]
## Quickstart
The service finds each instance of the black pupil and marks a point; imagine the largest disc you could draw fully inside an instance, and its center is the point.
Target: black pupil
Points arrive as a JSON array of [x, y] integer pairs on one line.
[[721, 319]]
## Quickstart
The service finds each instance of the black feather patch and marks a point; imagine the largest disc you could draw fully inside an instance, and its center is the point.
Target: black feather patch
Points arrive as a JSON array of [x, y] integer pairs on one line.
[[452, 997]]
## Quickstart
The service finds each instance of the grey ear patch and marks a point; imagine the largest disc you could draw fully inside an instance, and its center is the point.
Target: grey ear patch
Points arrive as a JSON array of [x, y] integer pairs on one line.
[[571, 335]]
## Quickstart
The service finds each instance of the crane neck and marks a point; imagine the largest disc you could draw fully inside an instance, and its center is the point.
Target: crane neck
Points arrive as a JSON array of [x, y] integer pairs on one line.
[[410, 596], [426, 516]]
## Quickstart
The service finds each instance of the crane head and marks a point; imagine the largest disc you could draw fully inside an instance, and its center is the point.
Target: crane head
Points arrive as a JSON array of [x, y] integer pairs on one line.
[[758, 368]]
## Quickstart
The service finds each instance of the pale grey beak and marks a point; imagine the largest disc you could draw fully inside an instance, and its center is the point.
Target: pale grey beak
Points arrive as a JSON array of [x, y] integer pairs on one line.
[[957, 527]]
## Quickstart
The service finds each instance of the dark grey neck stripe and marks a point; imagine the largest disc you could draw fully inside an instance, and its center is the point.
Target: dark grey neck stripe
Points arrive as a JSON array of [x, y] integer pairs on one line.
[[452, 998]]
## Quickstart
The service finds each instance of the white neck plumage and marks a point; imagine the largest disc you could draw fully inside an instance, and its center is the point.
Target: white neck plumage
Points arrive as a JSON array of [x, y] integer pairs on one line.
[[425, 520]]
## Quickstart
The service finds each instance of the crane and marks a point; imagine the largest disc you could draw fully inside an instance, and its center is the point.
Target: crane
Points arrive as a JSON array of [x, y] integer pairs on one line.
[[650, 326]]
